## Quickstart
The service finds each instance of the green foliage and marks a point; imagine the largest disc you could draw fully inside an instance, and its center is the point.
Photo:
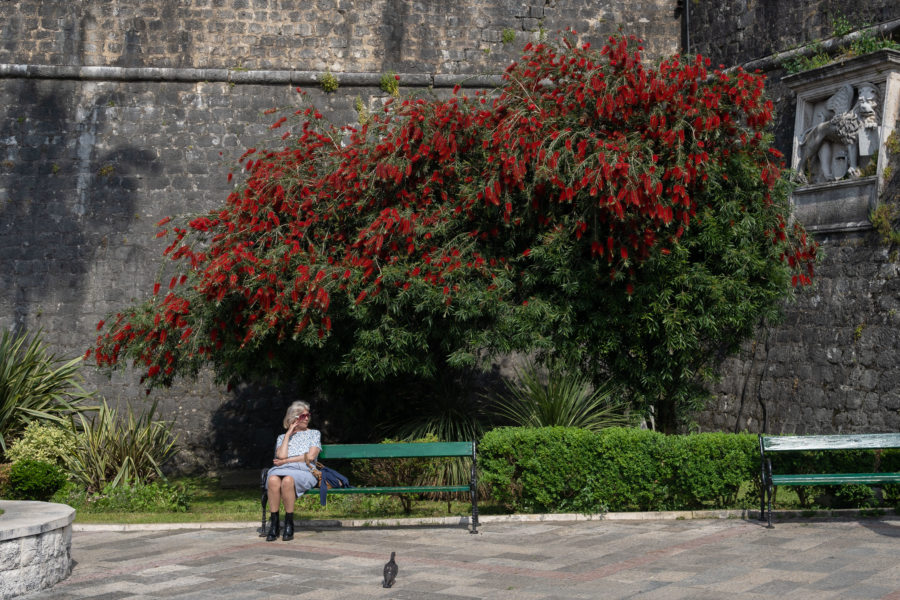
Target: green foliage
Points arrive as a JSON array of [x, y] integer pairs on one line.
[[628, 219], [153, 497], [328, 81], [49, 443], [111, 451], [691, 306], [886, 216], [35, 479], [34, 386], [560, 469], [508, 36], [4, 479], [401, 471], [841, 25], [864, 43], [390, 83], [559, 398], [362, 111]]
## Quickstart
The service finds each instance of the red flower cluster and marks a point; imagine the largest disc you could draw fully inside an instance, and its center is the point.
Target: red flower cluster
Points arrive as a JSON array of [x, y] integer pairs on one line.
[[456, 196]]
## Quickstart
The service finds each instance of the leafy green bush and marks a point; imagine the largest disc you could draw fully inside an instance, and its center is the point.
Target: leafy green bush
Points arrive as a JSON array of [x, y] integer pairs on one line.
[[45, 442], [566, 469], [155, 497], [33, 386], [401, 471], [110, 451], [35, 479], [328, 81], [390, 83]]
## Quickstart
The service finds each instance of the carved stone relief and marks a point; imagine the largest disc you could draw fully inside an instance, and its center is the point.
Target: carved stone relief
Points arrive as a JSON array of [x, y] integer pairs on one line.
[[843, 136], [845, 111]]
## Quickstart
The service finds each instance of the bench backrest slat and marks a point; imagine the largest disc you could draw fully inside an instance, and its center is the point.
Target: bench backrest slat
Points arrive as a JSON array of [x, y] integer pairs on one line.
[[399, 450], [861, 441]]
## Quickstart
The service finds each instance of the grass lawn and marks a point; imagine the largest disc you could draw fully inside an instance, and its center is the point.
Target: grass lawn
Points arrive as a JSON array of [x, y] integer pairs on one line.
[[211, 502]]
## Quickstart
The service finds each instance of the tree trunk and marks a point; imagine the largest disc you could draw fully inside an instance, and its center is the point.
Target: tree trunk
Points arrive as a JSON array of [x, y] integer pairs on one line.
[[666, 418]]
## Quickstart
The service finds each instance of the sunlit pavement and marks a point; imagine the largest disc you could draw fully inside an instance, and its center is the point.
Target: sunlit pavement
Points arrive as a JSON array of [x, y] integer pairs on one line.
[[665, 559]]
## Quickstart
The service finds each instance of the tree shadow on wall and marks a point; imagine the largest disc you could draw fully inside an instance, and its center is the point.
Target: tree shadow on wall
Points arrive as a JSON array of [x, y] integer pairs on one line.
[[66, 201], [245, 427]]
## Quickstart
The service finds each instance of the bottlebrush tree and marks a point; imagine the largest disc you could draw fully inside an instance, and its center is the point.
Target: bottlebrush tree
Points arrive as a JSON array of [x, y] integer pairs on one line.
[[631, 220]]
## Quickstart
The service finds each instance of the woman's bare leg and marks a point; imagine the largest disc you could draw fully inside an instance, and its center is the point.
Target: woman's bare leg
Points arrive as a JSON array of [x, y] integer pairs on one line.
[[287, 493], [274, 485]]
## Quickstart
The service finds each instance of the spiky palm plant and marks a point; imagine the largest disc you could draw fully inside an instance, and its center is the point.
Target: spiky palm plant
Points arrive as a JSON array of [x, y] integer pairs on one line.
[[34, 385], [557, 397], [113, 451]]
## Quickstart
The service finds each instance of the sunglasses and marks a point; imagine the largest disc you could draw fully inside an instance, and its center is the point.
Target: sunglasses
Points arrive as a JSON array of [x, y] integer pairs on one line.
[[303, 416]]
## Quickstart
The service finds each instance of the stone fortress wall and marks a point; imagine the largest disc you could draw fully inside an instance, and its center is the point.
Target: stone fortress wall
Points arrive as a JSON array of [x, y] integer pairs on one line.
[[117, 113], [832, 365]]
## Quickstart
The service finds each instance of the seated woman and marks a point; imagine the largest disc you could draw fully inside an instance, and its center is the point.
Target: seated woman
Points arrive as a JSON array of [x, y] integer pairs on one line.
[[295, 451]]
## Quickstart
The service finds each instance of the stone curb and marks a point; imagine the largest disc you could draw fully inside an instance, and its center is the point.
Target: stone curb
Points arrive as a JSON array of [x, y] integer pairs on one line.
[[483, 520]]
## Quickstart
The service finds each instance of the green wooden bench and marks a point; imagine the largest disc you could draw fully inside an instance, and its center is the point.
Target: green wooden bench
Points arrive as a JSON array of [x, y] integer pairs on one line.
[[800, 443], [398, 450]]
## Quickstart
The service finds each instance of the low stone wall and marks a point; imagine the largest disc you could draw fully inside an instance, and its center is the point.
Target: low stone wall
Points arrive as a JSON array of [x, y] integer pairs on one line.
[[35, 546]]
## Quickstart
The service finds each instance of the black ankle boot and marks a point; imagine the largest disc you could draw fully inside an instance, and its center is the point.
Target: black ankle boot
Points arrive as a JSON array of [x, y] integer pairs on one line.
[[288, 527], [274, 529]]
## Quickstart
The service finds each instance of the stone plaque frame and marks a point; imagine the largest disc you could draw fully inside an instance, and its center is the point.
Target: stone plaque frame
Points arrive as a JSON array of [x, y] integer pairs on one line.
[[844, 204]]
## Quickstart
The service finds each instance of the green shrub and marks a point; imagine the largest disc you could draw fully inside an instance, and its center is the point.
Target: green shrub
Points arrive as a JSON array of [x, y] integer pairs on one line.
[[44, 442], [113, 451], [401, 471], [390, 83], [155, 497], [35, 479], [542, 469], [557, 469], [328, 81]]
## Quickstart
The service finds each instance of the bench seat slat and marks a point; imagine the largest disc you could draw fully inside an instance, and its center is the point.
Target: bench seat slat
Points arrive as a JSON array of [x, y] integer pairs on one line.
[[404, 489], [870, 441], [400, 450], [835, 478]]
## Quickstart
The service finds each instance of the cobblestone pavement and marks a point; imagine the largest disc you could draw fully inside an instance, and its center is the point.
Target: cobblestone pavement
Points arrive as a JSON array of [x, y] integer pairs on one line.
[[664, 559]]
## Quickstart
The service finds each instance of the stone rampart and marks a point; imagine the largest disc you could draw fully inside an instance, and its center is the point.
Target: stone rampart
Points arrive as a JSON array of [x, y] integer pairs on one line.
[[467, 36], [117, 113]]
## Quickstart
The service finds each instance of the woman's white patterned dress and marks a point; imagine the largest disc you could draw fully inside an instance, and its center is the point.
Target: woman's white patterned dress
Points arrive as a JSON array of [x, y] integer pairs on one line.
[[299, 444]]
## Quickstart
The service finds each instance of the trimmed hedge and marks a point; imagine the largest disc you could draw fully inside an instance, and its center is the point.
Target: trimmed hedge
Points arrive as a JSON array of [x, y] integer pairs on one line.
[[559, 469]]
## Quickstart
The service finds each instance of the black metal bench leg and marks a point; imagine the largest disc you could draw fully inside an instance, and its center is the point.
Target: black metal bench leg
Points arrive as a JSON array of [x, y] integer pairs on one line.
[[762, 496], [473, 490], [265, 502], [770, 490], [474, 494]]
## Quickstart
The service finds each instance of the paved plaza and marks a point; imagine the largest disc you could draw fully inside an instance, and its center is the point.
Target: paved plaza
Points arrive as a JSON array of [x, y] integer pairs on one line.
[[533, 560]]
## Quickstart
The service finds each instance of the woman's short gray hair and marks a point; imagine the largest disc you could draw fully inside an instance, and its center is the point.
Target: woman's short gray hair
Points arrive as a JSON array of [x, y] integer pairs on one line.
[[293, 410]]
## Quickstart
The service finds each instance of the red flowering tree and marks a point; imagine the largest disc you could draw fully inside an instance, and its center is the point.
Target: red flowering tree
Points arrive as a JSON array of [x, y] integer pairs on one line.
[[630, 220]]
